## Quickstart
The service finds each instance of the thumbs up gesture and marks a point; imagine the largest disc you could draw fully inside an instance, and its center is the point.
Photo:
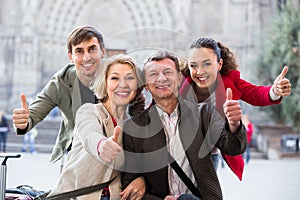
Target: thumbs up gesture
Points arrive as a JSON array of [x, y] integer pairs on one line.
[[21, 115], [109, 148], [282, 85], [233, 111]]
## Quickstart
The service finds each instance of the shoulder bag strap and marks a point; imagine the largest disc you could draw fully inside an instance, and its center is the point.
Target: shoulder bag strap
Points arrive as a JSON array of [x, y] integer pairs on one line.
[[183, 176], [78, 192]]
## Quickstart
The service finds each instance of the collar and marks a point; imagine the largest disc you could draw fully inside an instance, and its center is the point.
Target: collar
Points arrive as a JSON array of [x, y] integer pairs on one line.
[[163, 114]]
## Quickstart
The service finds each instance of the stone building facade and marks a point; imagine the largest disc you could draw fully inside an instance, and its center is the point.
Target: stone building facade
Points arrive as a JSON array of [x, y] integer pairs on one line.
[[33, 33]]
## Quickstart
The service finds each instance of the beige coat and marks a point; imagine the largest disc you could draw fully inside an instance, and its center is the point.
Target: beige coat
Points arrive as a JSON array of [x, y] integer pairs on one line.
[[84, 167]]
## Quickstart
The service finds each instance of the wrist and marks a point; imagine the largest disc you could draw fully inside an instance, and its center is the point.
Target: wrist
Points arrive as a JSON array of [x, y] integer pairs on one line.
[[99, 145], [272, 94]]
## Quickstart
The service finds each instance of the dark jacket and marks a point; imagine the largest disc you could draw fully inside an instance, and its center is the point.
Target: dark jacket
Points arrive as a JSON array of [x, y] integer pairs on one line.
[[4, 126], [145, 149]]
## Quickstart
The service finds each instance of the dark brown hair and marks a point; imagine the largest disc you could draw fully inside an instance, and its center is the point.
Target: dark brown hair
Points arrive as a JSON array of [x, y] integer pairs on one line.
[[82, 34], [221, 51]]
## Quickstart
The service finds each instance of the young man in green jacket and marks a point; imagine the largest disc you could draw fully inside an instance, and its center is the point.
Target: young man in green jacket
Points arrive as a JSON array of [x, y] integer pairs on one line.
[[68, 89]]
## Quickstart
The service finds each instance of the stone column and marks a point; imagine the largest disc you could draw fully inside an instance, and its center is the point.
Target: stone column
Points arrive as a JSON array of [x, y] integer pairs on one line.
[[26, 76], [181, 17]]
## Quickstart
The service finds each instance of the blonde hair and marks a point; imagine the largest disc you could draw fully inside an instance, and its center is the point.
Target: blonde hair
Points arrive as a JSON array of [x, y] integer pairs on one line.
[[99, 86]]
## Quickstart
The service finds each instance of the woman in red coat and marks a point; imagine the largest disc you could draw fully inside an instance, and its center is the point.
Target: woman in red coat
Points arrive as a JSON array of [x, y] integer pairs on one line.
[[211, 69]]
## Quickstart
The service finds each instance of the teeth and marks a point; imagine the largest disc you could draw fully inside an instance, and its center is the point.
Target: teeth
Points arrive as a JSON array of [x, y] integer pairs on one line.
[[87, 65], [202, 79], [160, 87], [122, 93]]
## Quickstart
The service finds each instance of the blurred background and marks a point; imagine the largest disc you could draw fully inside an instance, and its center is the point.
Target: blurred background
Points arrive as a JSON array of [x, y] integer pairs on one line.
[[263, 34]]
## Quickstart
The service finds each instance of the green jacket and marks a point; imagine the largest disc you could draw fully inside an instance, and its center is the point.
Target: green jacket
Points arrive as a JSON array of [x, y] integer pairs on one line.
[[62, 91]]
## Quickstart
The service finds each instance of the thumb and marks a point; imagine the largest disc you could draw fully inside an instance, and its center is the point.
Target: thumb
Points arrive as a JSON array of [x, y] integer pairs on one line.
[[117, 131], [23, 101], [284, 72], [229, 94]]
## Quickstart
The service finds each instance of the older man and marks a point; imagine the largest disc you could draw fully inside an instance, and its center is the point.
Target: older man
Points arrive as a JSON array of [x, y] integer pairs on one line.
[[172, 129]]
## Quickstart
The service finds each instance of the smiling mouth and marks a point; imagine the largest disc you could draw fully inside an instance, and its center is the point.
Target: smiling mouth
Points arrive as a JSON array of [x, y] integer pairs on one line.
[[122, 94], [202, 79], [162, 86], [87, 65]]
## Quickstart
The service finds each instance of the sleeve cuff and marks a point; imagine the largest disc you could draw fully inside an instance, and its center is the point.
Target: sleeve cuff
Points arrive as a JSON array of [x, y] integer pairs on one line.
[[228, 128], [99, 143], [273, 96]]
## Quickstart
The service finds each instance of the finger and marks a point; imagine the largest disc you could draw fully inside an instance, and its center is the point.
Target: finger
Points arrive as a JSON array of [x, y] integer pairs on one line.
[[232, 107], [111, 148], [283, 82], [106, 159], [229, 94], [124, 194], [117, 131], [134, 194], [23, 101], [284, 72], [20, 125]]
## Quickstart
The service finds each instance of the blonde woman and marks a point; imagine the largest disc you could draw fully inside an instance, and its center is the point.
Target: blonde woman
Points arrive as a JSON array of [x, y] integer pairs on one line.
[[96, 155]]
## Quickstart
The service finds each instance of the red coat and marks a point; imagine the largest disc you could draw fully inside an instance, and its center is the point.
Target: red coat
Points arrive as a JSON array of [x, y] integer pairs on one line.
[[241, 89]]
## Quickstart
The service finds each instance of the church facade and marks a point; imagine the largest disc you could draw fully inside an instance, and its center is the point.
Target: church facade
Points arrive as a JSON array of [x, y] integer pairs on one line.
[[33, 33]]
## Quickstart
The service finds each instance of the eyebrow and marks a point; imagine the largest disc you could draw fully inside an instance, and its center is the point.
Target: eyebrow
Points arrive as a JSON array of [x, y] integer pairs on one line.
[[117, 73], [78, 48], [89, 47], [201, 61], [92, 46], [152, 70], [207, 60]]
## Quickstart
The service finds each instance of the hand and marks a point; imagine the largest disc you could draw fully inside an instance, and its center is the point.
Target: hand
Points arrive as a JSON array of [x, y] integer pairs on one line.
[[282, 85], [135, 190], [233, 111], [21, 115], [109, 148]]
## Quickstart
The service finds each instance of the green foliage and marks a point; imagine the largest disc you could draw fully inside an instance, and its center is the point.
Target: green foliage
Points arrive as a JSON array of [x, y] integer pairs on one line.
[[280, 47]]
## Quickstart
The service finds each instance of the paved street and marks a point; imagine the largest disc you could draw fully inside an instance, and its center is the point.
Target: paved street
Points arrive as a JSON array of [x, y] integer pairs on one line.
[[263, 179]]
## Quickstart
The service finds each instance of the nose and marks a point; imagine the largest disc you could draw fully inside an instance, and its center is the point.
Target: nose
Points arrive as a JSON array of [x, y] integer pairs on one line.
[[161, 77], [123, 83], [86, 56], [200, 70]]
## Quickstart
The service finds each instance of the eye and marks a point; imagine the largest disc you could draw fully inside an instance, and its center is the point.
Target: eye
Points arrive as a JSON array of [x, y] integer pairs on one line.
[[207, 64], [78, 51], [114, 78], [193, 65], [152, 74], [93, 49], [168, 72], [130, 78]]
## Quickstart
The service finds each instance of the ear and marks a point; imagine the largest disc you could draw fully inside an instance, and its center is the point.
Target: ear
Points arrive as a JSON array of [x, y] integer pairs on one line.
[[220, 64], [103, 52], [146, 87], [70, 57]]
